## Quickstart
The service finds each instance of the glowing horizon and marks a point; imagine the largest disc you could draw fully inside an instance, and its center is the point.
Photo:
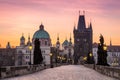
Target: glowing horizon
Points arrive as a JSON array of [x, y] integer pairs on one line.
[[58, 16]]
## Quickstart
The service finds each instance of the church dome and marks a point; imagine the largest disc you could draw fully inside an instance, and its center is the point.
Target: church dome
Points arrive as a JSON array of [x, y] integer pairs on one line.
[[41, 33]]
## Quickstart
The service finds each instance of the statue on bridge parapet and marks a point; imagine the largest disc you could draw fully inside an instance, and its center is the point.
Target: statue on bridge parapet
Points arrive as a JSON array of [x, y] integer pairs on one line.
[[37, 53], [102, 52]]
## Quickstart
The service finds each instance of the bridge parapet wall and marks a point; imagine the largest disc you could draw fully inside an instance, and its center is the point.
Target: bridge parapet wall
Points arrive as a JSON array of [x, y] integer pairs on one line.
[[106, 70], [10, 71]]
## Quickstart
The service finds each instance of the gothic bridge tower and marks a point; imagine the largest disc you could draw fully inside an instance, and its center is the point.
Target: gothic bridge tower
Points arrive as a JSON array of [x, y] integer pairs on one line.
[[82, 39]]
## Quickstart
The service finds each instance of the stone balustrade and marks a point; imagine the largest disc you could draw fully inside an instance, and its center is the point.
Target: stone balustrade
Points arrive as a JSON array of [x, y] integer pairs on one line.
[[12, 71], [106, 70]]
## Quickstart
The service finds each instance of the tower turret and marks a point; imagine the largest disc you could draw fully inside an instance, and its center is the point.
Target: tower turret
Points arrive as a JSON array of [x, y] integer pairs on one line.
[[81, 23], [28, 43], [58, 43], [22, 40], [70, 43], [8, 46], [110, 42]]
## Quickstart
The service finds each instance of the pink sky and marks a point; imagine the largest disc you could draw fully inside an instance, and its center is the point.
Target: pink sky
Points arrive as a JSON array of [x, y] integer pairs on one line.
[[58, 16]]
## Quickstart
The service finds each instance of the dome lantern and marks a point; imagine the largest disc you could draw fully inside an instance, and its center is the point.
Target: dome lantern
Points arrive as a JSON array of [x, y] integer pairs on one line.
[[41, 27], [41, 33]]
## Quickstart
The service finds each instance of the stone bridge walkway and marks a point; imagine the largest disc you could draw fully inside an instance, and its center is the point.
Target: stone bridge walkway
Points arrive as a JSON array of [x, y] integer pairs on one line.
[[68, 72]]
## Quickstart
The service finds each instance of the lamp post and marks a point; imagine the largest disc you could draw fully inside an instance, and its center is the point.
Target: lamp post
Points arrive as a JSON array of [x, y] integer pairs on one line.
[[105, 48], [105, 56], [51, 65], [90, 55], [30, 48]]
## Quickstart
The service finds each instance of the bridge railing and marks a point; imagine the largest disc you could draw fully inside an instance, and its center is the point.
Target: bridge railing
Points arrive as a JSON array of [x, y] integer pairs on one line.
[[12, 71], [106, 70]]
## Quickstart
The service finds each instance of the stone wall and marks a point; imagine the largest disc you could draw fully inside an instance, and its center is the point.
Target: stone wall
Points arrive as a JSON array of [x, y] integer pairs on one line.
[[106, 70], [12, 71]]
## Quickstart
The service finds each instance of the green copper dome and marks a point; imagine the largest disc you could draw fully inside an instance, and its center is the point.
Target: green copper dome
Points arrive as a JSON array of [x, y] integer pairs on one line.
[[41, 33], [65, 43]]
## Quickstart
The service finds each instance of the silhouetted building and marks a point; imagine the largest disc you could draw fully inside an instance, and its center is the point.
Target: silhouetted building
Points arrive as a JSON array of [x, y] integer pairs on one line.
[[7, 56], [82, 40]]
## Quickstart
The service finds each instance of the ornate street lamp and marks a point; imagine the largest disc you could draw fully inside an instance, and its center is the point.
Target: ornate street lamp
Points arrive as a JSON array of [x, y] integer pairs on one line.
[[105, 47], [90, 55], [30, 48], [51, 65]]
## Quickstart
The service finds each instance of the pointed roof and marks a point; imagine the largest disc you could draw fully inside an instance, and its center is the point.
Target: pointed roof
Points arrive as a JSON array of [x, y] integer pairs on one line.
[[8, 45], [110, 42], [65, 43], [28, 43], [22, 37], [70, 43], [58, 39], [90, 25], [81, 23]]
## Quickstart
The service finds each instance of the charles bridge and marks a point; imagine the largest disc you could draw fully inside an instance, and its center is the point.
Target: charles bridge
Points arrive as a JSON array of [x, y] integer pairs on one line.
[[13, 71]]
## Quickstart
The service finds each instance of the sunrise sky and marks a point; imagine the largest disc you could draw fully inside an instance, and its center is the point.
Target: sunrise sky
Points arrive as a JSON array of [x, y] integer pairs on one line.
[[58, 16]]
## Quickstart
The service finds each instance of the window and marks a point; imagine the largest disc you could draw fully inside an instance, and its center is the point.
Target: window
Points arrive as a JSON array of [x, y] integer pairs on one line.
[[45, 42]]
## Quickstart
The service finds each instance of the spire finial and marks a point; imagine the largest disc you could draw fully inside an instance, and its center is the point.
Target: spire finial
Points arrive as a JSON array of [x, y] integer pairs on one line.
[[79, 12], [70, 37], [83, 12], [58, 36], [110, 42], [29, 36]]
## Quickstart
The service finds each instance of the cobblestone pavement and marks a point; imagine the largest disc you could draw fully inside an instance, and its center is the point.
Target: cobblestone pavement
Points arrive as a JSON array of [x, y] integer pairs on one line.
[[68, 72]]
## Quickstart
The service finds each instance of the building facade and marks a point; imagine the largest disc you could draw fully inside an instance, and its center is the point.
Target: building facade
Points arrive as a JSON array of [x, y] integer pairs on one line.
[[7, 56], [45, 43], [82, 40], [24, 55]]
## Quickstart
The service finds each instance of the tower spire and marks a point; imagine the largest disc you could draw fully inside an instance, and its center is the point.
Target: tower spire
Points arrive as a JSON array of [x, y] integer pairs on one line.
[[110, 42], [81, 23], [70, 37], [57, 37], [58, 43], [79, 12], [70, 43], [83, 12], [29, 37], [90, 25]]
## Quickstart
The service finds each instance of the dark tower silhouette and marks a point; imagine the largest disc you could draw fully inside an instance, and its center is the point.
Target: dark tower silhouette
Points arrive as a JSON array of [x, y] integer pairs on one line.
[[82, 39], [37, 52]]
